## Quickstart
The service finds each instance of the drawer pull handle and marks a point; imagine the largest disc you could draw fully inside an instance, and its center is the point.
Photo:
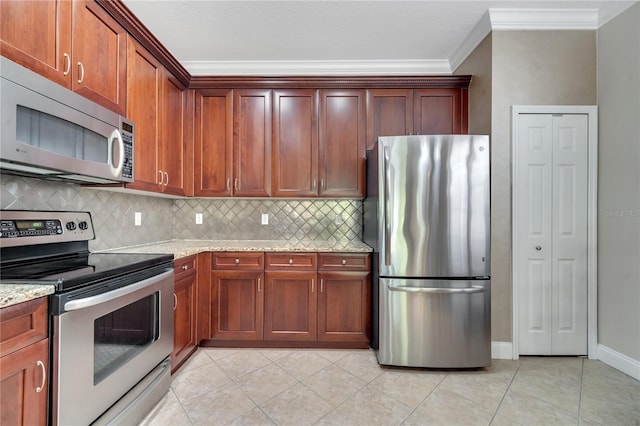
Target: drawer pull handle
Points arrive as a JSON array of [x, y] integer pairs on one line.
[[344, 261], [313, 282], [175, 301], [258, 285], [81, 72], [44, 376], [237, 261], [322, 286], [290, 261], [67, 64]]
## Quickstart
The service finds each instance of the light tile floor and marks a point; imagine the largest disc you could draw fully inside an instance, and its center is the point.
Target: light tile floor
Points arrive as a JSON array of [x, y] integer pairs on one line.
[[348, 387]]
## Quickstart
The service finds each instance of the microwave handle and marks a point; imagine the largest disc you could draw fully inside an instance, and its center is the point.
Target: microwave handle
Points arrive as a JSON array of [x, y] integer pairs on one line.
[[116, 136]]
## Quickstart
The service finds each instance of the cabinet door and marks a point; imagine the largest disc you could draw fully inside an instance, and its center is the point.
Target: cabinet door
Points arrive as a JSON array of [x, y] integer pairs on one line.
[[295, 143], [99, 64], [342, 142], [252, 143], [37, 35], [343, 306], [23, 385], [172, 148], [389, 113], [438, 112], [213, 152], [184, 334], [290, 306], [144, 75], [237, 305]]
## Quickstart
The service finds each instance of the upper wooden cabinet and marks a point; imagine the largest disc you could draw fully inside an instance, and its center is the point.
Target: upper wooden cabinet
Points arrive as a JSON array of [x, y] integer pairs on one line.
[[318, 143], [76, 44], [252, 143], [295, 143], [161, 111], [213, 151], [233, 143], [342, 143], [37, 35], [392, 112]]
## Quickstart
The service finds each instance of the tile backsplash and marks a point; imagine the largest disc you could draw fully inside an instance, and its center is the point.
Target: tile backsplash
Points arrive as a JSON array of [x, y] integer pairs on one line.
[[166, 219]]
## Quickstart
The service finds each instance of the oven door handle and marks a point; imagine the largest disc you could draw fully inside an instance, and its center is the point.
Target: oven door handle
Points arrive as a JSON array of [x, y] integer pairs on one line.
[[74, 305]]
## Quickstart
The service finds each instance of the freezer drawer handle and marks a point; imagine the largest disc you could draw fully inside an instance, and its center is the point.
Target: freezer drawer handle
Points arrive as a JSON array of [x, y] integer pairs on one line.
[[385, 217], [438, 290]]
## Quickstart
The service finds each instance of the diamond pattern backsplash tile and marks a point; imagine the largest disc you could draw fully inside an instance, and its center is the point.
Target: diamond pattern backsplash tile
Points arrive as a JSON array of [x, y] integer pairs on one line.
[[112, 212], [165, 219], [291, 220]]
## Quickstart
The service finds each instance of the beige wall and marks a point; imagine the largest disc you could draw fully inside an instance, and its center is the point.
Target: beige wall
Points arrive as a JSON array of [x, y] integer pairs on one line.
[[619, 184], [478, 65]]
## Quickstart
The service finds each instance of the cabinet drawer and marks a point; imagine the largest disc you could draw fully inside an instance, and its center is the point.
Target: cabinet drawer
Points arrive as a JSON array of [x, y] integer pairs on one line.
[[22, 325], [343, 261], [238, 260], [184, 267], [292, 261]]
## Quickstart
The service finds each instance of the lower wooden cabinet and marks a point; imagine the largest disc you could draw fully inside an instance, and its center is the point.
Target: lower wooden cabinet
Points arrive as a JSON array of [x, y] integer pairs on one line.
[[24, 366], [287, 299], [185, 303]]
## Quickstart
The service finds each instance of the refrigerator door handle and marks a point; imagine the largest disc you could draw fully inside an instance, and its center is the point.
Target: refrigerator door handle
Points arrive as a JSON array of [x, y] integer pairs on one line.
[[387, 224], [437, 290]]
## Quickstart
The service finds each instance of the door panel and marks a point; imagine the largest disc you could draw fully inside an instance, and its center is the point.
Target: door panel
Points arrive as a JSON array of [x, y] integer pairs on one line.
[[552, 194], [237, 305], [290, 306]]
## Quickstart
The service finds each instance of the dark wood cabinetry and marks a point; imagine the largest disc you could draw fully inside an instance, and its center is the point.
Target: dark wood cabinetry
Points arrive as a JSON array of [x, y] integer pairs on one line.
[[185, 305], [341, 143], [236, 296], [392, 112], [287, 299], [76, 44], [160, 109], [290, 296], [251, 143], [24, 366], [295, 143]]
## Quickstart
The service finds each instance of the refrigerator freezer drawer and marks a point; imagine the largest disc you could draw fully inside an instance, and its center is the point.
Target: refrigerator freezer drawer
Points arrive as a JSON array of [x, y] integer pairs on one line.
[[435, 323]]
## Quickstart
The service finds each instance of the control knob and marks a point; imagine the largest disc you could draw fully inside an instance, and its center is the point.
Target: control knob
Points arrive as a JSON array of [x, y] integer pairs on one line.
[[71, 226], [83, 225]]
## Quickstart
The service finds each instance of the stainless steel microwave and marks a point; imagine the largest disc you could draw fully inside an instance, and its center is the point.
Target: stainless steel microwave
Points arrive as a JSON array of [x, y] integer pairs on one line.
[[51, 132]]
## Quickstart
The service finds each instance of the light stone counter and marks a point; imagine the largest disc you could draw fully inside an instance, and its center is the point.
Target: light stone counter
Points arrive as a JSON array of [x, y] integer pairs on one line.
[[184, 248], [12, 294]]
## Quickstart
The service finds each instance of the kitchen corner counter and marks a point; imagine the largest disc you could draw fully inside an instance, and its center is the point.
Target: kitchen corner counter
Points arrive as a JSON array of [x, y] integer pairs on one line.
[[184, 248], [12, 294]]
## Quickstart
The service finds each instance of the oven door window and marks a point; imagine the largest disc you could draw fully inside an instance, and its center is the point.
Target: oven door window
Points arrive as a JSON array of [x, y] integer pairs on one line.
[[124, 333]]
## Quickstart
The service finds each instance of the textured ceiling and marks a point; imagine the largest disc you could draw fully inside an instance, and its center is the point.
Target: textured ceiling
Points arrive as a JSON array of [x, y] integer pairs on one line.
[[236, 37]]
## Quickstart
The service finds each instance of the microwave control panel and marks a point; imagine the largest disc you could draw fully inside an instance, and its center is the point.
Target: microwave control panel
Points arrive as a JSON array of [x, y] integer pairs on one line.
[[126, 131]]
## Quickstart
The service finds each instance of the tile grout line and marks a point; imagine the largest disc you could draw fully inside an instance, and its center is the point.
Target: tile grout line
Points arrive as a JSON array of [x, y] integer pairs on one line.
[[505, 394], [425, 398]]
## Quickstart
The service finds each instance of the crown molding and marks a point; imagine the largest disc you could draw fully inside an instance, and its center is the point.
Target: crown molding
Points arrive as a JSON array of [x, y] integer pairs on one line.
[[471, 41], [544, 19], [318, 68], [613, 9]]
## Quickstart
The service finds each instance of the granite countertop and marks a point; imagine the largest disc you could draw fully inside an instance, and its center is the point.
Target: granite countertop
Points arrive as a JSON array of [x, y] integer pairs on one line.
[[184, 248], [14, 293]]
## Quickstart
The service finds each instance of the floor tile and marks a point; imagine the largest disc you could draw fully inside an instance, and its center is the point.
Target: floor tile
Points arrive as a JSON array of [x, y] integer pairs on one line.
[[219, 406], [297, 405], [253, 417], [333, 384], [195, 381], [444, 407], [561, 391], [409, 386], [362, 364], [522, 409], [263, 383], [371, 406], [302, 364], [241, 363], [483, 390]]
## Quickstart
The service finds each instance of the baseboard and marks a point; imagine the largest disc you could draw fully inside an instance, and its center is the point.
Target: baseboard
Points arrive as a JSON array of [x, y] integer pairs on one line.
[[619, 361], [501, 350]]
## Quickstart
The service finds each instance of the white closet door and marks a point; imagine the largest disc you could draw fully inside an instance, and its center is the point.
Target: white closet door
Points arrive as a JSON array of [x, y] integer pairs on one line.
[[551, 194]]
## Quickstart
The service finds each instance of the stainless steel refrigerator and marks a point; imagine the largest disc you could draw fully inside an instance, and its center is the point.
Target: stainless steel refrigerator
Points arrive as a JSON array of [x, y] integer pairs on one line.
[[427, 218]]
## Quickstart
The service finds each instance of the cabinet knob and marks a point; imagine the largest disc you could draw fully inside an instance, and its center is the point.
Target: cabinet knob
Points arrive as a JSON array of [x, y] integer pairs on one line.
[[290, 261], [185, 267], [344, 261], [538, 248], [237, 261]]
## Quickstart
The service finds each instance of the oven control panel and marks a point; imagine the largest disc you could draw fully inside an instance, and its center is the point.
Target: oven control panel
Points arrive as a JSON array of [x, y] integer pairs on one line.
[[21, 227]]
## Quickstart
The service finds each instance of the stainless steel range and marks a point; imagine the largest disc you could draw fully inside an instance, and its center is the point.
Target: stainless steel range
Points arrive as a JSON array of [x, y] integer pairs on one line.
[[111, 316]]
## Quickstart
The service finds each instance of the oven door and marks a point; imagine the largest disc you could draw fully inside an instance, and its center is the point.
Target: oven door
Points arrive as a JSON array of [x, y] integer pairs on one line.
[[105, 343]]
